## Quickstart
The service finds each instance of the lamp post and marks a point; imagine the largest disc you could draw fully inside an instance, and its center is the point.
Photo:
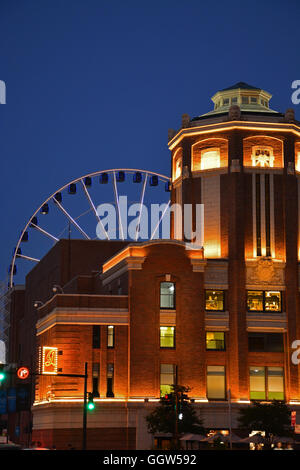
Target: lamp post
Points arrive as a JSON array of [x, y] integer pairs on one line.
[[84, 409]]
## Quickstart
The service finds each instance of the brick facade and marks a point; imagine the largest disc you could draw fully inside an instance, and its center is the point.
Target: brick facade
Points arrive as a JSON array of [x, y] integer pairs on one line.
[[254, 245]]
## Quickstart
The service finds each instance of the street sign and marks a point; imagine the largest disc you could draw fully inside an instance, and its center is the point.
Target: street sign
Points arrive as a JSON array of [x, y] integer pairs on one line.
[[23, 373], [49, 360]]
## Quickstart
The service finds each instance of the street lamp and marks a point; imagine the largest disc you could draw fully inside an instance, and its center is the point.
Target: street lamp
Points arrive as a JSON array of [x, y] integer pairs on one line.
[[57, 288], [37, 303]]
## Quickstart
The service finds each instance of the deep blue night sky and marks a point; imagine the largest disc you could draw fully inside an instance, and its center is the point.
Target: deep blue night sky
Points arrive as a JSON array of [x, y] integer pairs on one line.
[[95, 84]]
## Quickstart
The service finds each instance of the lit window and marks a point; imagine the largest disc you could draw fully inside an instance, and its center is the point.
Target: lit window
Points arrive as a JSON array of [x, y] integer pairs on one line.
[[262, 156], [273, 301], [257, 383], [298, 162], [216, 383], [245, 100], [264, 301], [167, 337], [275, 383], [167, 378], [215, 340], [214, 300], [266, 383], [255, 300], [233, 100], [210, 159], [167, 295], [225, 101], [253, 99], [110, 336], [177, 164]]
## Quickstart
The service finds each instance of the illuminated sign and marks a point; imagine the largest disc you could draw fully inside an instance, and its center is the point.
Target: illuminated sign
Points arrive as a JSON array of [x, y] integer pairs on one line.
[[49, 360], [23, 373]]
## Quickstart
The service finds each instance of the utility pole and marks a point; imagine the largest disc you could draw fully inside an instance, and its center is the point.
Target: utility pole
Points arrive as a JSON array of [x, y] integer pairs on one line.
[[10, 373], [84, 409]]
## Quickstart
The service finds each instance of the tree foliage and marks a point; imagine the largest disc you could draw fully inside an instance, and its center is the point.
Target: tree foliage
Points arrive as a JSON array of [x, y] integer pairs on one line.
[[272, 418], [163, 417]]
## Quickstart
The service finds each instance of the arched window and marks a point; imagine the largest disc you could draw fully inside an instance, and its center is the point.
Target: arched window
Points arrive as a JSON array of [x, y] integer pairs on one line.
[[210, 158], [209, 154], [177, 164], [263, 151], [297, 161]]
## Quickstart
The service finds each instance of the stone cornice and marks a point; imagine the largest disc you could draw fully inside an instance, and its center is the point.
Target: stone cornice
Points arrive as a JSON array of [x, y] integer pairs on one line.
[[232, 125]]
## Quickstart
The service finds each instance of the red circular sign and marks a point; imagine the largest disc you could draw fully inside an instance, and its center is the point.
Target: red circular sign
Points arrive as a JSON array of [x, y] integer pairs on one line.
[[23, 373]]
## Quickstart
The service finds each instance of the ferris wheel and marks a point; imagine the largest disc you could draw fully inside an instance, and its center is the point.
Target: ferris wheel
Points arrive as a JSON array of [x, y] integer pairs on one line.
[[73, 211]]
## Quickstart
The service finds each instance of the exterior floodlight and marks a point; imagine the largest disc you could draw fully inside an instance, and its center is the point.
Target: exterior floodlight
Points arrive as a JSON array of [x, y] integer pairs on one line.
[[57, 288]]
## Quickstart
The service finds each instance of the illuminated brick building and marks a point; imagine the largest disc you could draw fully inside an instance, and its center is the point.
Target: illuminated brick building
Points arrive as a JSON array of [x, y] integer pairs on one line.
[[226, 314]]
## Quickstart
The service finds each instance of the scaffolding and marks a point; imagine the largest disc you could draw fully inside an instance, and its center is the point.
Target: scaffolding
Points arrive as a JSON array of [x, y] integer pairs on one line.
[[5, 299]]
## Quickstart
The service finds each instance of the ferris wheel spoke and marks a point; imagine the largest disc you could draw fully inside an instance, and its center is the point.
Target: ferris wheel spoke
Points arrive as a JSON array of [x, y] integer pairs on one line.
[[30, 258], [118, 205], [162, 216], [141, 207], [66, 213], [94, 208], [40, 229], [117, 175]]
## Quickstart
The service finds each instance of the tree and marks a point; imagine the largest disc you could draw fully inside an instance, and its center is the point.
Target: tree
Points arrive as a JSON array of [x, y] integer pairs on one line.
[[175, 415], [272, 418]]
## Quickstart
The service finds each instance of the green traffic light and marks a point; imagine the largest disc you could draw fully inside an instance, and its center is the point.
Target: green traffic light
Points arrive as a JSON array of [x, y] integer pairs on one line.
[[90, 403], [2, 376], [91, 406]]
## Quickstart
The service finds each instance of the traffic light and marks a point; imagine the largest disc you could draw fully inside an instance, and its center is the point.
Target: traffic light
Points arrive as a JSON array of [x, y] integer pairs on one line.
[[2, 373], [90, 403], [167, 399]]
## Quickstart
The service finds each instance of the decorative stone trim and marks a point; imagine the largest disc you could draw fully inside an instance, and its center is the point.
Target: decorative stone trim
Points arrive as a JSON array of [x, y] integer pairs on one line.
[[82, 316]]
